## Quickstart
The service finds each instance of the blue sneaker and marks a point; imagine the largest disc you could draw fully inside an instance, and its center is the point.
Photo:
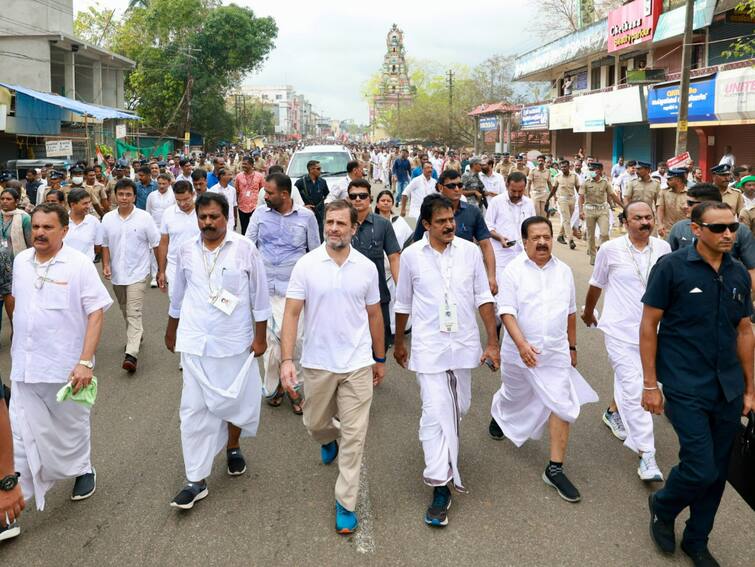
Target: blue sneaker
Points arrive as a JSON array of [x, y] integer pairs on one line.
[[437, 513], [346, 521], [329, 452]]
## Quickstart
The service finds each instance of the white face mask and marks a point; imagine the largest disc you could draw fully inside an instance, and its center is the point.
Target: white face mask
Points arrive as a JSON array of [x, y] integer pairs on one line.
[[77, 180]]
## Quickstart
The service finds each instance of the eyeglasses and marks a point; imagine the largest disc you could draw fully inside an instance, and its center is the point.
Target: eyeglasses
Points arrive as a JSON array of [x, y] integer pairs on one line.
[[359, 196], [718, 228], [692, 203], [454, 185]]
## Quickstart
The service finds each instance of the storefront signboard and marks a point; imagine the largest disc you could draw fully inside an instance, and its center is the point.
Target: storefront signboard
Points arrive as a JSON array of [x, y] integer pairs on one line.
[[632, 24], [663, 102]]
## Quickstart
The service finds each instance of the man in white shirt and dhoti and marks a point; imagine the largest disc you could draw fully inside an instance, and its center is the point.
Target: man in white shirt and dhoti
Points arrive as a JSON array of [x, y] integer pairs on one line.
[[217, 321], [443, 284], [59, 310], [622, 268], [540, 387]]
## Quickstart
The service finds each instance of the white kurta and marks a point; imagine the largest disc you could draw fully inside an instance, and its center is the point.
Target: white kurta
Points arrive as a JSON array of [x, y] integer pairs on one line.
[[506, 219], [541, 300]]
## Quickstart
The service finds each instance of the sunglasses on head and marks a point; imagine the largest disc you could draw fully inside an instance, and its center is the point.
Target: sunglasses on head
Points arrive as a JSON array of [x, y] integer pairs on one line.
[[719, 228], [359, 196], [454, 185]]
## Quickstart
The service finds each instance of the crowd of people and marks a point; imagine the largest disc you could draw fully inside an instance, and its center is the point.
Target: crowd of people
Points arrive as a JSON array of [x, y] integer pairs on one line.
[[251, 260]]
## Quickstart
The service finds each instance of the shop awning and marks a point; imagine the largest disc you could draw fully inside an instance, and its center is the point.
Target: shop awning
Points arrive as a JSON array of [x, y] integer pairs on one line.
[[82, 108]]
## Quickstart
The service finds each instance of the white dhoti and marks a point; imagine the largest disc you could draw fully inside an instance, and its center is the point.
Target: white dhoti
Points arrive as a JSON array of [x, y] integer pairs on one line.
[[216, 392], [272, 357], [446, 397], [528, 396], [627, 391], [51, 440]]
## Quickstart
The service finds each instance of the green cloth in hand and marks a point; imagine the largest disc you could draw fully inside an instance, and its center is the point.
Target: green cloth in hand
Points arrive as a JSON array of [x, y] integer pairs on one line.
[[85, 396]]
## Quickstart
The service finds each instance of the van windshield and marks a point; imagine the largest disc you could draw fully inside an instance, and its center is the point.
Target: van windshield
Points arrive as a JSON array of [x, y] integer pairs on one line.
[[330, 162]]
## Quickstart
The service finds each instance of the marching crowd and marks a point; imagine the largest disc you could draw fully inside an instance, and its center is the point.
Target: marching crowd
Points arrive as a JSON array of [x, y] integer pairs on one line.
[[251, 260]]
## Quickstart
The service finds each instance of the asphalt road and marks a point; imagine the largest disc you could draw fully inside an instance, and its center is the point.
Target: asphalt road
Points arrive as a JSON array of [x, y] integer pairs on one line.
[[281, 511]]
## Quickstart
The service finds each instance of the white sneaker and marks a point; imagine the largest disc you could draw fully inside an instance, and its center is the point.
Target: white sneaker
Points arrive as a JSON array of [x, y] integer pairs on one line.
[[648, 469], [614, 423], [13, 530], [153, 283]]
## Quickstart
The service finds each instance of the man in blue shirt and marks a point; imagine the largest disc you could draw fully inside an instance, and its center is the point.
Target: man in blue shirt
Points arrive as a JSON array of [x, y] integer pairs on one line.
[[702, 353], [402, 170], [417, 171], [470, 224], [144, 186]]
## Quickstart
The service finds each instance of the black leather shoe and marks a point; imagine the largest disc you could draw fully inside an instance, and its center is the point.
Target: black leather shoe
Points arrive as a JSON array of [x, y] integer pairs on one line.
[[662, 533], [494, 430], [701, 558]]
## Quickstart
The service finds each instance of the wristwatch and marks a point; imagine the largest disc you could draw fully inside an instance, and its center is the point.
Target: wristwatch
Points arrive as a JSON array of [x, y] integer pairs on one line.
[[88, 363], [9, 482]]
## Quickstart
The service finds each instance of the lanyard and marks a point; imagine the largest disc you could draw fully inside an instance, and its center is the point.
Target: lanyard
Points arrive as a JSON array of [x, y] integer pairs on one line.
[[5, 227], [445, 265], [643, 279], [39, 284]]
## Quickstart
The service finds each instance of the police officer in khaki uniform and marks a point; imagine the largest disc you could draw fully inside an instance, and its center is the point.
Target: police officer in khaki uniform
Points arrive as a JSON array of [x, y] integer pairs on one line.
[[564, 186], [595, 196], [521, 165], [644, 188], [672, 201], [452, 162], [730, 195], [505, 166], [539, 186]]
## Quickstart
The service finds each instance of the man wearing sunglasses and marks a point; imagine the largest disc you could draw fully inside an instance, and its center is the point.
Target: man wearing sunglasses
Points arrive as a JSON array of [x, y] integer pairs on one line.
[[703, 355], [470, 224], [374, 237], [681, 234]]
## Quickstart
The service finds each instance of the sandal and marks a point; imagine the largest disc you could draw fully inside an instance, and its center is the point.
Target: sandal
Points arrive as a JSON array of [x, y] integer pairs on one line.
[[277, 398], [296, 404]]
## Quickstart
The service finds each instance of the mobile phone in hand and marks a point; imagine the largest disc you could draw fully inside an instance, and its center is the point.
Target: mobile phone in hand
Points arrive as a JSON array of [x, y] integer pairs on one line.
[[489, 364]]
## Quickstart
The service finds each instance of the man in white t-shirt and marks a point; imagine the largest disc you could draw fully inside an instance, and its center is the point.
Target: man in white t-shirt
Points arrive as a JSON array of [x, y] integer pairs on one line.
[[224, 187], [418, 188], [157, 202], [84, 230], [179, 224]]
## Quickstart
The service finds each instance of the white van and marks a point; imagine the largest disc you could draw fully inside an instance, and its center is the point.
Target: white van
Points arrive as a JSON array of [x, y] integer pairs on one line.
[[333, 160]]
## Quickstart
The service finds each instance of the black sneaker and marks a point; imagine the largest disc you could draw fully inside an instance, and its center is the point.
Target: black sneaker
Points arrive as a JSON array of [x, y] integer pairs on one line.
[[662, 533], [572, 245], [191, 493], [13, 530], [555, 477], [701, 558], [494, 430], [236, 462], [129, 364], [84, 486], [437, 513], [561, 239]]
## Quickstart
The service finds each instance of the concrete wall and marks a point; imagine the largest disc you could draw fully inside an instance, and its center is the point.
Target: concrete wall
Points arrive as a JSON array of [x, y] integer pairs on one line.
[[29, 17], [25, 62]]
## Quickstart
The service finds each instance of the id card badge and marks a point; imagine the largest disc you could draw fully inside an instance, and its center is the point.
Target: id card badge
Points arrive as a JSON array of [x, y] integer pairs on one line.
[[4, 243], [449, 322], [225, 301], [248, 194]]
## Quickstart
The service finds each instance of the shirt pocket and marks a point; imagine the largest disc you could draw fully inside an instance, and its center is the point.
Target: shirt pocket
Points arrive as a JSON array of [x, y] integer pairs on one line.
[[232, 281], [55, 296], [297, 235]]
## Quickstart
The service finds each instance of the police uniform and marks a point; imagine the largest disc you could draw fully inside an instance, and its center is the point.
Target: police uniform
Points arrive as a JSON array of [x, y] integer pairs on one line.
[[731, 196], [453, 164], [524, 170], [645, 191], [538, 188], [505, 167], [565, 185], [702, 377], [673, 202], [596, 211]]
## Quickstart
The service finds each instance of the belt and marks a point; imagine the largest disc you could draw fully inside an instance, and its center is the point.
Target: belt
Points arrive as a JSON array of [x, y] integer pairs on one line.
[[601, 206]]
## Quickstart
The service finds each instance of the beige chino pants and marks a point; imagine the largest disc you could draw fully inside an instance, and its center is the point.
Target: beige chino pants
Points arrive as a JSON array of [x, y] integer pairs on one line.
[[131, 301]]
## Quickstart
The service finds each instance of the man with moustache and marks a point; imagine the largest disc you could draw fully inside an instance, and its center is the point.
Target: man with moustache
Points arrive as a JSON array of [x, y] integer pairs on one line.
[[248, 184], [218, 322], [336, 288], [178, 224], [58, 293], [672, 201], [340, 190], [622, 268], [283, 232], [443, 285], [199, 181], [565, 188], [540, 386], [696, 339]]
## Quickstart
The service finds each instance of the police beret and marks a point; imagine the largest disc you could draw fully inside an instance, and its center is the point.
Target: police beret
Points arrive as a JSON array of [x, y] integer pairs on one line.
[[677, 172], [721, 169], [644, 164], [55, 174], [595, 165]]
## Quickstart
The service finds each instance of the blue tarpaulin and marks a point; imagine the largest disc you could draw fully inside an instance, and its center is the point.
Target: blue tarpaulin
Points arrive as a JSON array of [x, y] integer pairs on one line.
[[76, 106]]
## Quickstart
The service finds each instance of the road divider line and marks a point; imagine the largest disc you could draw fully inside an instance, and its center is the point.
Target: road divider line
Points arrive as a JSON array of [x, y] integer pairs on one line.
[[364, 539]]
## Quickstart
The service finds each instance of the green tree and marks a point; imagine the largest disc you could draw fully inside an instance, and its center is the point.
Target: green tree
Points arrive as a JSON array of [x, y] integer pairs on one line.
[[190, 54], [743, 47], [97, 25]]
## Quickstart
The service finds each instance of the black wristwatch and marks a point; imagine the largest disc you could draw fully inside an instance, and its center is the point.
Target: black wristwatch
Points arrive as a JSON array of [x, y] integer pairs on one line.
[[9, 482]]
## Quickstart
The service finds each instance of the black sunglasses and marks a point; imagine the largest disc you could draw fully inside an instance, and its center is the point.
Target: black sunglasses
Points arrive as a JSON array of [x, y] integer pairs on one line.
[[359, 196], [454, 185], [718, 228]]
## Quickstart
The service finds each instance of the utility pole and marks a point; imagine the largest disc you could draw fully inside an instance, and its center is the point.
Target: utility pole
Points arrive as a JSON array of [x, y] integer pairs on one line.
[[450, 83], [681, 127]]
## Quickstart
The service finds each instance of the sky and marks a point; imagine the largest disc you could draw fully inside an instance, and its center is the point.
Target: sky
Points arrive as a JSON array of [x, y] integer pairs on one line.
[[329, 50]]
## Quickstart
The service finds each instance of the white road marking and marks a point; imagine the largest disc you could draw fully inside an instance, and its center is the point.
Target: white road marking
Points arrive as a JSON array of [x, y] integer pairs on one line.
[[363, 537]]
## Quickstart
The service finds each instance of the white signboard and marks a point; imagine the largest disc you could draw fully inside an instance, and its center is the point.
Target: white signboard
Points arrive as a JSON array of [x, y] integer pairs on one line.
[[59, 148], [589, 113], [561, 116], [624, 106], [735, 94], [120, 131]]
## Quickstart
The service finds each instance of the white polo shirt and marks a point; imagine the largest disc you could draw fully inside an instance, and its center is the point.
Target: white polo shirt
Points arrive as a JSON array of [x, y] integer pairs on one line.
[[130, 241], [85, 235], [426, 276], [506, 219], [541, 299], [158, 202], [335, 309], [418, 188], [53, 303], [180, 227], [493, 183], [230, 194], [622, 271]]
